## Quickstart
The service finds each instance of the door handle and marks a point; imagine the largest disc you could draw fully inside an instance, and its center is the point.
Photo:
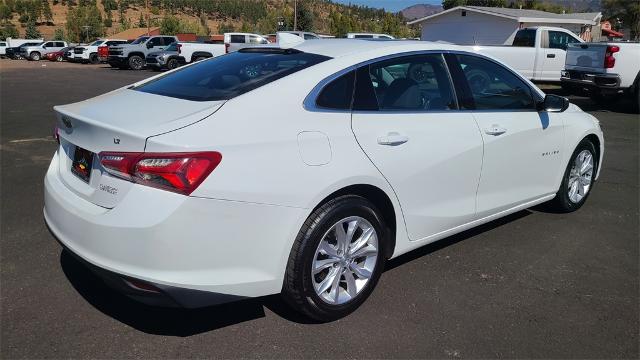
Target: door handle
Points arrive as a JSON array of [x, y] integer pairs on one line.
[[495, 130], [551, 56], [393, 139]]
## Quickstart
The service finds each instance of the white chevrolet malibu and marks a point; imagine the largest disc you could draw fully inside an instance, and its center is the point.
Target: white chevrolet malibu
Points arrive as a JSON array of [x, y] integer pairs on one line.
[[301, 171]]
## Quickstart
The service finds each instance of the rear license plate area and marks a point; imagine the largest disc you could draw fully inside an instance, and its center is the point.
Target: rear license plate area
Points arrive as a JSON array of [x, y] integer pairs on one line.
[[82, 162]]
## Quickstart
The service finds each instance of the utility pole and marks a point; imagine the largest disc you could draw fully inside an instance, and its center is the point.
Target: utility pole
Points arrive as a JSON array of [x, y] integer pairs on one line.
[[295, 15], [146, 6]]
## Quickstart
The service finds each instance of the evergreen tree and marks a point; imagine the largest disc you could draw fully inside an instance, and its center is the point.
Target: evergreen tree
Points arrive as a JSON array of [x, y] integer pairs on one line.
[[58, 34], [46, 12], [141, 22], [31, 32]]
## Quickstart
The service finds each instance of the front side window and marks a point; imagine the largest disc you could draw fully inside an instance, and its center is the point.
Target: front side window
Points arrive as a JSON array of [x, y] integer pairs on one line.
[[410, 83], [493, 87], [560, 40], [525, 38], [156, 41], [140, 40], [256, 40], [363, 36], [231, 75], [3, 44]]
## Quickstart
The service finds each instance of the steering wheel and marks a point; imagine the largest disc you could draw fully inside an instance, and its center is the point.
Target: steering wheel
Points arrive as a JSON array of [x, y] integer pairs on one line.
[[418, 73]]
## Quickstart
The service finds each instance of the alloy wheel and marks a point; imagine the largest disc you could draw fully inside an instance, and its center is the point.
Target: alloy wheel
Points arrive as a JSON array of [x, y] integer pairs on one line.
[[344, 260], [580, 176]]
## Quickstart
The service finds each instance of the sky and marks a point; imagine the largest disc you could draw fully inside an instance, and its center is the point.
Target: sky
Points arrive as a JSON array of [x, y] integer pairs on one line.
[[391, 5]]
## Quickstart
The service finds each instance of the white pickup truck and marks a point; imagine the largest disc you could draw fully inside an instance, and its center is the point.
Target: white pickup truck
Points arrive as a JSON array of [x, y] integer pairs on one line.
[[603, 71], [537, 52]]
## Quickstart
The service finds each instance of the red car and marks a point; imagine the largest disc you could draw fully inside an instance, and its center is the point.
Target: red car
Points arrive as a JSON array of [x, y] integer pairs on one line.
[[57, 56]]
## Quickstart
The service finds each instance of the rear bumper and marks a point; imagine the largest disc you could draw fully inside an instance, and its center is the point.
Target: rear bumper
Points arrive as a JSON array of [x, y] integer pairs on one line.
[[196, 251], [581, 81]]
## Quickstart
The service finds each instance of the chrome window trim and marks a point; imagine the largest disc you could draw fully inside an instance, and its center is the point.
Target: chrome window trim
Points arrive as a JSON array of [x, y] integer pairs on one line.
[[309, 102]]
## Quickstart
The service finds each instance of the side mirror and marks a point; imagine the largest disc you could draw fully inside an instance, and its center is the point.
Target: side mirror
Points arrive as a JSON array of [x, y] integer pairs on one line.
[[554, 103]]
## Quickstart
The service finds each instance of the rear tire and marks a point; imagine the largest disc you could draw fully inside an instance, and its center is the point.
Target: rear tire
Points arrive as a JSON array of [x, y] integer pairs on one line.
[[579, 177], [347, 272], [172, 64], [136, 62], [35, 56], [59, 58]]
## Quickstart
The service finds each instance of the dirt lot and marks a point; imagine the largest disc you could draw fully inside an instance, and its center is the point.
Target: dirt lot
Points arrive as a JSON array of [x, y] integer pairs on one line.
[[532, 285]]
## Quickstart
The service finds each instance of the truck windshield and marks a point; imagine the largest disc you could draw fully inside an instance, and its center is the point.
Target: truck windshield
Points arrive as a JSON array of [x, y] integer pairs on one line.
[[228, 76], [172, 47], [140, 40], [96, 43]]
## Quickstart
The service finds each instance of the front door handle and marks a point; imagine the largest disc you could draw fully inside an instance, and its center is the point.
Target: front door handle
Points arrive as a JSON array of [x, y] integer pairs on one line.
[[495, 130], [393, 139], [551, 56]]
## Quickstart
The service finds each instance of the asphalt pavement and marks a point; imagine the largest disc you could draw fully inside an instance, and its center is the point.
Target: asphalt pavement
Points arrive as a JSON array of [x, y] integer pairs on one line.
[[532, 285]]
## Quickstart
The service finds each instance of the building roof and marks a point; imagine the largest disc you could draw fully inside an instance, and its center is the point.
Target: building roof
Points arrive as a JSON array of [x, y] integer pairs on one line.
[[135, 33], [525, 15]]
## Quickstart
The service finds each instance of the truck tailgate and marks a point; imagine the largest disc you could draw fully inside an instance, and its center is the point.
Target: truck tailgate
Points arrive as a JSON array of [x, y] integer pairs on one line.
[[586, 56]]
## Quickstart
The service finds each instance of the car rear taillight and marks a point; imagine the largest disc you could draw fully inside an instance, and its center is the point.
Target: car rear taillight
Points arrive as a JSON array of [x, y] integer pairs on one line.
[[609, 60], [103, 51], [226, 48], [177, 172], [179, 46]]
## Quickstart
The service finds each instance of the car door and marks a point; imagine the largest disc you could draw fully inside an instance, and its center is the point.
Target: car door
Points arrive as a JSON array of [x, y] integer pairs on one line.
[[155, 44], [554, 52], [521, 145], [48, 47], [58, 45], [405, 118]]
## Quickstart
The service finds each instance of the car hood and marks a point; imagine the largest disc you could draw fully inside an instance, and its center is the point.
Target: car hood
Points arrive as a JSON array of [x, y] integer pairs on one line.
[[130, 115]]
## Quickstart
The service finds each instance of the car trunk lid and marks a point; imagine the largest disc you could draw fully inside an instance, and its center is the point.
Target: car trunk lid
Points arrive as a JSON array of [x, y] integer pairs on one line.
[[115, 122]]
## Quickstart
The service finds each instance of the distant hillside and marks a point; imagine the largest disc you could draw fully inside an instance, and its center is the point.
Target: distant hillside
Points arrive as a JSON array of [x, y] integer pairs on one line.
[[50, 17], [578, 5], [420, 10]]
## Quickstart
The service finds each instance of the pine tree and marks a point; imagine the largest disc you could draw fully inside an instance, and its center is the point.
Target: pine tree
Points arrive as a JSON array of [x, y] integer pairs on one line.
[[58, 34], [31, 31]]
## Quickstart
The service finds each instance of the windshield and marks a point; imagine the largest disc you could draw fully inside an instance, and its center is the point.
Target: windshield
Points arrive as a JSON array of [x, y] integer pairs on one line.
[[172, 47], [96, 43], [227, 76], [140, 40]]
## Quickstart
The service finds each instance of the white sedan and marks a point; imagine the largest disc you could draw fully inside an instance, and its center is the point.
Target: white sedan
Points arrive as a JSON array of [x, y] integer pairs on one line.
[[301, 171]]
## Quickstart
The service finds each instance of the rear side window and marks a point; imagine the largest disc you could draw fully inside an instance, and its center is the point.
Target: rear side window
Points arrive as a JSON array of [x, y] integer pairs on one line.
[[3, 44], [338, 93], [228, 76], [310, 37], [59, 44], [409, 83], [168, 40], [236, 39], [363, 36], [525, 38]]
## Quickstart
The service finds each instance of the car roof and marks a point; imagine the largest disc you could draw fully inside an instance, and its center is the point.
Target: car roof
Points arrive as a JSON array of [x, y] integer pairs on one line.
[[336, 48]]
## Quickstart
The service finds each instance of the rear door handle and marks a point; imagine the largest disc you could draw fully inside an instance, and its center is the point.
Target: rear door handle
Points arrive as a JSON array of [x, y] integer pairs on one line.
[[393, 139], [495, 130], [551, 56]]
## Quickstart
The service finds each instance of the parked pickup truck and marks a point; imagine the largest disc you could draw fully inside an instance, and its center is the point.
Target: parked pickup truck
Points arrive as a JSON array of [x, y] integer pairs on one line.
[[89, 53], [37, 52], [133, 55], [14, 51], [182, 53], [15, 43], [603, 70], [537, 52], [236, 41]]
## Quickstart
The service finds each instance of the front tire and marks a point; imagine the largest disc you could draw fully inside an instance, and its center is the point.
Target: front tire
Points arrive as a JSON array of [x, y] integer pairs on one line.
[[337, 259], [136, 62], [93, 58], [578, 179]]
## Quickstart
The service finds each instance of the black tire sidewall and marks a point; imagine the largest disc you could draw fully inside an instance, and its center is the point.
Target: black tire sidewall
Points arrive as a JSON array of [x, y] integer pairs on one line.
[[562, 196], [131, 62], [353, 206], [93, 58], [172, 64]]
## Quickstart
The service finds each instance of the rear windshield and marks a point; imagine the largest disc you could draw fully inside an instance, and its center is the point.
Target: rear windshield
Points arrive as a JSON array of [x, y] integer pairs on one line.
[[227, 76]]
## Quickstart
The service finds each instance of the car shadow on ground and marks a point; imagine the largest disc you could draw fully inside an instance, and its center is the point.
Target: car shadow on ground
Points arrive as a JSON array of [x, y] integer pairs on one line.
[[187, 322]]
